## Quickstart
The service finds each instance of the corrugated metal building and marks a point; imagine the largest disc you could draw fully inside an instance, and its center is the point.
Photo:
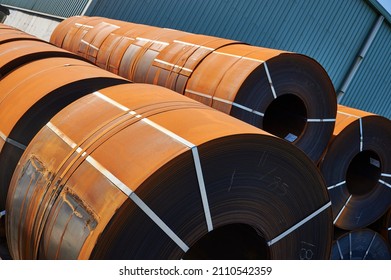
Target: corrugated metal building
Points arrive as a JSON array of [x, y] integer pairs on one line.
[[350, 38]]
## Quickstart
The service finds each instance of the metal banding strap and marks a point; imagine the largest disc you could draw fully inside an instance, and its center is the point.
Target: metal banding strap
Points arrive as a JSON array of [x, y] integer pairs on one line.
[[2, 213], [369, 247], [12, 142], [361, 135], [270, 80], [125, 189], [347, 114], [385, 183], [83, 25], [389, 228], [299, 224], [339, 250], [173, 65], [320, 120], [89, 44], [152, 41], [336, 185], [107, 23], [226, 101], [239, 56], [385, 175], [343, 208], [350, 245], [193, 45], [196, 158]]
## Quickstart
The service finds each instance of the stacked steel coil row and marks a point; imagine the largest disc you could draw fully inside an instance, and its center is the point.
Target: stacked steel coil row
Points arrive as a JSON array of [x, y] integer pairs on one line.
[[95, 167], [287, 94]]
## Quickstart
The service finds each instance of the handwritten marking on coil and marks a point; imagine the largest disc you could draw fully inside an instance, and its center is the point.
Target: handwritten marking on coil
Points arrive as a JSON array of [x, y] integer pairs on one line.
[[194, 150], [12, 142], [299, 224], [343, 208], [124, 188]]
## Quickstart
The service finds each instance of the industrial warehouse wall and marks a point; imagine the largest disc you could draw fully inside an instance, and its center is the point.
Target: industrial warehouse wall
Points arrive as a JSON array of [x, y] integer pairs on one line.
[[333, 32]]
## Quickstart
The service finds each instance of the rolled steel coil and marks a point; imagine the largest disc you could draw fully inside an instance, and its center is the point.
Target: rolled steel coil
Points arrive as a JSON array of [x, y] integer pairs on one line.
[[386, 227], [287, 94], [32, 94], [8, 34], [357, 168], [362, 244], [136, 171], [14, 54]]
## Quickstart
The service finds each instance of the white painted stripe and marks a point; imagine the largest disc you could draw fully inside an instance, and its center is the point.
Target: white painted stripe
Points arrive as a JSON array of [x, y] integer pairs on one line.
[[173, 65], [126, 190], [320, 120], [2, 213], [198, 93], [343, 208], [336, 185], [193, 45], [111, 101], [83, 25], [89, 44], [201, 183], [152, 41], [385, 175], [60, 134], [159, 222], [270, 80], [384, 183], [299, 224], [339, 250], [361, 135], [369, 247]]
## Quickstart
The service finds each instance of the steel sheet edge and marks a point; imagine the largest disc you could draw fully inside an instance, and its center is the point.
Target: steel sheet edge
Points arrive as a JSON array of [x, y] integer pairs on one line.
[[357, 168], [138, 172], [287, 94]]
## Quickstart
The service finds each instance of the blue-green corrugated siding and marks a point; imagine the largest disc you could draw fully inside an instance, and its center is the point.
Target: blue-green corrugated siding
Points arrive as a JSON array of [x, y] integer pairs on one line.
[[57, 8], [371, 88]]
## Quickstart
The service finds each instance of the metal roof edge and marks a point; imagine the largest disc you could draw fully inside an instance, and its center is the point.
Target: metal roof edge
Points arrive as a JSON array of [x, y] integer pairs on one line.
[[377, 6]]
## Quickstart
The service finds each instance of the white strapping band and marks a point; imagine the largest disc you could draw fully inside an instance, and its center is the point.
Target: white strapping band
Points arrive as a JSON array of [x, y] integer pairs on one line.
[[336, 185], [320, 120], [369, 247], [239, 56], [173, 65], [193, 45], [270, 80], [153, 41], [2, 213], [83, 25], [385, 175], [12, 142], [385, 183], [90, 45], [339, 250], [299, 224], [343, 208]]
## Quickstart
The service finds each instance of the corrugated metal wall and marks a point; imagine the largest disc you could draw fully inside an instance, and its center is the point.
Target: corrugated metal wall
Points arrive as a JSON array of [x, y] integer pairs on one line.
[[332, 32], [56, 8]]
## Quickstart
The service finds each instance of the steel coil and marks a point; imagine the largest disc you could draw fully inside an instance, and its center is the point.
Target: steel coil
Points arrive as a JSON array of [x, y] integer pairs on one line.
[[287, 94], [362, 244], [14, 54], [31, 95], [386, 227], [9, 34], [137, 172], [357, 168]]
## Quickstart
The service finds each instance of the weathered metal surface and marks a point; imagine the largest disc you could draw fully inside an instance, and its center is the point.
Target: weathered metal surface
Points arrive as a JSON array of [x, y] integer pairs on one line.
[[287, 94], [357, 168], [138, 172]]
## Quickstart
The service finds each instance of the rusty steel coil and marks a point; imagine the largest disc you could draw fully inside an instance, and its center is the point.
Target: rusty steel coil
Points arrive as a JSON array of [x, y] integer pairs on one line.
[[361, 244], [357, 168], [136, 171], [287, 94], [32, 94], [14, 54], [12, 34]]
